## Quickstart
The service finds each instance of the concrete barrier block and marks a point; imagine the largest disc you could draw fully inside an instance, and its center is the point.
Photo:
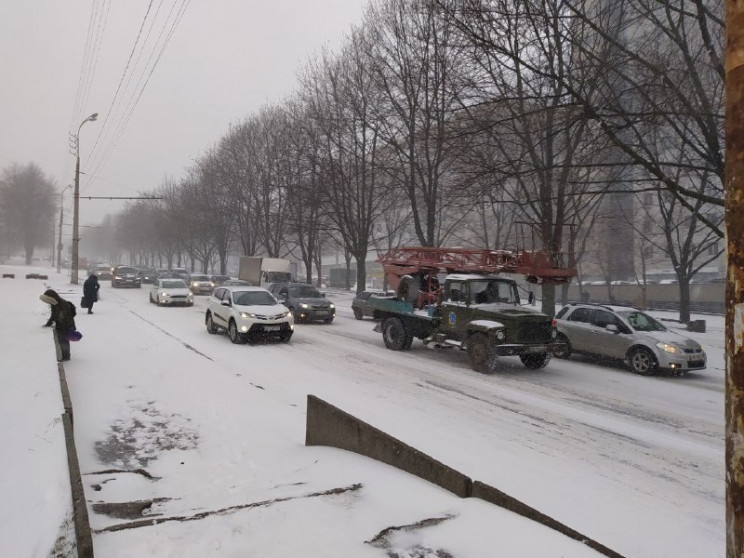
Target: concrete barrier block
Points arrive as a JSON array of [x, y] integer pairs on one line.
[[330, 426], [697, 326]]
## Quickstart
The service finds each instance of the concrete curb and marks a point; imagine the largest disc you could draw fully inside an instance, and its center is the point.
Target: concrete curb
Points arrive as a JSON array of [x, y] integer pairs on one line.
[[83, 535], [330, 426]]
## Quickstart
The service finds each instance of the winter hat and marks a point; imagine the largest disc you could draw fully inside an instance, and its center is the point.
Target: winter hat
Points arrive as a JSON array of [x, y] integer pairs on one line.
[[50, 297]]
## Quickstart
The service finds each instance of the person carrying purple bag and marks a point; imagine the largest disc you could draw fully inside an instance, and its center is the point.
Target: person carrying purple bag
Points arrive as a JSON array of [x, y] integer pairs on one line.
[[63, 318]]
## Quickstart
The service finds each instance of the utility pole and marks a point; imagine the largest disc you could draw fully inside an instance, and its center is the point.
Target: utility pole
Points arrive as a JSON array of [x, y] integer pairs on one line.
[[76, 206], [734, 189], [61, 218]]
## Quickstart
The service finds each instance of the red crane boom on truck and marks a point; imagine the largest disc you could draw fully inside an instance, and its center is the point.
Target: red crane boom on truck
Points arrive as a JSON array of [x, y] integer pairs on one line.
[[404, 266]]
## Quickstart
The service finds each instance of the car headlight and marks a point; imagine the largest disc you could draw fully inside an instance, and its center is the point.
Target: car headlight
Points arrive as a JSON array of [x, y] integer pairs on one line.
[[287, 313], [304, 306], [247, 315], [331, 306], [500, 335], [667, 348], [163, 293]]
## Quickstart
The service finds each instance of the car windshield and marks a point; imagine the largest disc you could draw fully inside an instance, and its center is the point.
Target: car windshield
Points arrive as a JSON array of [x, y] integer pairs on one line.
[[173, 284], [253, 298], [304, 291], [642, 322], [126, 270], [492, 291], [199, 278]]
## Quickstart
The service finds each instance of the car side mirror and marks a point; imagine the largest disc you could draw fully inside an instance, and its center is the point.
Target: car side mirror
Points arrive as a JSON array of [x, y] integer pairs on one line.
[[612, 328], [226, 303], [322, 294]]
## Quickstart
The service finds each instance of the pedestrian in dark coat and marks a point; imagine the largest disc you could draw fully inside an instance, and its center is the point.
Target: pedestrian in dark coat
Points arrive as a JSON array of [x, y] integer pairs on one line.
[[63, 318], [90, 291]]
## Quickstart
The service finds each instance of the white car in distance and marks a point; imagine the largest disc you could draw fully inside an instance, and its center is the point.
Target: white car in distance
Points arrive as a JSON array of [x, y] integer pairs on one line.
[[248, 314], [171, 292]]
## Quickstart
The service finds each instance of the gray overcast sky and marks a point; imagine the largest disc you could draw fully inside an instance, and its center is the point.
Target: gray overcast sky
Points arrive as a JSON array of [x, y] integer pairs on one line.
[[226, 58]]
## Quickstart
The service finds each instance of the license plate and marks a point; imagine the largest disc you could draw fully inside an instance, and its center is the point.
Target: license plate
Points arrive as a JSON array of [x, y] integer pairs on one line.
[[272, 328]]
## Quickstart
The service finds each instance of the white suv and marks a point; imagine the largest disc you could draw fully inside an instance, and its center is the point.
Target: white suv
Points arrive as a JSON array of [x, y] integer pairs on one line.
[[248, 313]]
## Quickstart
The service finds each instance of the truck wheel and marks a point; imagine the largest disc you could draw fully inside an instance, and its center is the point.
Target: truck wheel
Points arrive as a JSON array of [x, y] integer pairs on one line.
[[358, 313], [535, 362], [564, 352], [482, 357], [395, 335]]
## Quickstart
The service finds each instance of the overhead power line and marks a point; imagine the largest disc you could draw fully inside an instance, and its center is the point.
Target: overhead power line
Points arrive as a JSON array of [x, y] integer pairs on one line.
[[135, 78]]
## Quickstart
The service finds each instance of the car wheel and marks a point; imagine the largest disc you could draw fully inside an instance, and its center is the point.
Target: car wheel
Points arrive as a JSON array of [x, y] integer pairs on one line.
[[235, 336], [358, 314], [395, 335], [642, 361], [565, 351], [482, 357], [211, 328], [535, 362]]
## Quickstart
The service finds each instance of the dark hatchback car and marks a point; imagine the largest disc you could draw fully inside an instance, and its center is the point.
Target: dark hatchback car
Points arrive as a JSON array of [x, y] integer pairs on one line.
[[361, 307], [304, 301], [219, 279], [148, 274], [125, 276]]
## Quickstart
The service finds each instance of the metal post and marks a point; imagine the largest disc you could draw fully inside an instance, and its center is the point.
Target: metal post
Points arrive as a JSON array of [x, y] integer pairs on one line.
[[75, 220], [76, 206], [734, 189], [61, 218]]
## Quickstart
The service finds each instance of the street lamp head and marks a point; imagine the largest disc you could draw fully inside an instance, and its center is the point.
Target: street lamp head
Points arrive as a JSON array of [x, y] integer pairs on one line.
[[93, 116]]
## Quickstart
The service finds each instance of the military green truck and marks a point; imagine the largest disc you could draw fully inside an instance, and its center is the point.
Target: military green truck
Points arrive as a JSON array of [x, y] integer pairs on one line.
[[455, 298]]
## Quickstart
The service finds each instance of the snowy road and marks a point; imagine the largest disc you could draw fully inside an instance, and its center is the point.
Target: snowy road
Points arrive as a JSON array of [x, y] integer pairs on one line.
[[634, 462]]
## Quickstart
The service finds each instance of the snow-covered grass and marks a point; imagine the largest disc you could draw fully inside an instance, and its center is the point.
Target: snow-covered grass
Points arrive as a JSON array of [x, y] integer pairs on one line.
[[636, 463]]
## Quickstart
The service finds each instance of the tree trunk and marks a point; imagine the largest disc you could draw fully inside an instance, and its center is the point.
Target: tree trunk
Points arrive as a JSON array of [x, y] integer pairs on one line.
[[548, 300], [684, 300], [735, 287]]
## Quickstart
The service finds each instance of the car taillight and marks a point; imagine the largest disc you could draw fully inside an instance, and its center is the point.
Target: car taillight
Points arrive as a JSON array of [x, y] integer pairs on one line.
[[554, 322]]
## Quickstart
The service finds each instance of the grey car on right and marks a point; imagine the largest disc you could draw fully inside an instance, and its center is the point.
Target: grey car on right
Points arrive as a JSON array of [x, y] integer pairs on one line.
[[620, 332]]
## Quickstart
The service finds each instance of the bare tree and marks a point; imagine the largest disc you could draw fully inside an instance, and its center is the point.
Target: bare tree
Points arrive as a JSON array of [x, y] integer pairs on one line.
[[536, 146], [27, 206], [416, 67], [340, 96]]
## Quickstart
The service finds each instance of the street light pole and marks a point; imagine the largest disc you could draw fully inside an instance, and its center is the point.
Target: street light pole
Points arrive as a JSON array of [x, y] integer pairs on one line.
[[76, 206], [61, 217]]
